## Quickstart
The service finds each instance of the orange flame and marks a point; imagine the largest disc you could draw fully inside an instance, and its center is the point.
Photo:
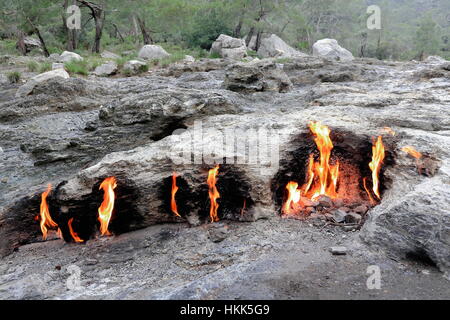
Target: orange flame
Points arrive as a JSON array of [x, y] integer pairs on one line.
[[74, 235], [375, 164], [327, 174], [173, 203], [293, 199], [106, 208], [368, 192], [412, 152], [213, 193], [46, 219]]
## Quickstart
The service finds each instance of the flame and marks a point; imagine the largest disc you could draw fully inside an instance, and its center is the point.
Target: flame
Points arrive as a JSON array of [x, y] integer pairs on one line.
[[46, 219], [327, 174], [375, 164], [173, 203], [293, 199], [106, 208], [243, 207], [74, 235], [59, 233], [213, 193], [368, 192], [412, 152]]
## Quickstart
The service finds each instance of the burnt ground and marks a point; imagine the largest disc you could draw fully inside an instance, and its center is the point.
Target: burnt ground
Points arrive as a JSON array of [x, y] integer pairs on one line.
[[268, 259]]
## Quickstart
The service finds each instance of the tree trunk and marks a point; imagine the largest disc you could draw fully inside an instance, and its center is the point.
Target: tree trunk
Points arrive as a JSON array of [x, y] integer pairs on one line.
[[237, 30], [98, 13], [249, 36], [21, 43], [145, 33], [258, 40], [36, 30], [71, 44], [118, 32]]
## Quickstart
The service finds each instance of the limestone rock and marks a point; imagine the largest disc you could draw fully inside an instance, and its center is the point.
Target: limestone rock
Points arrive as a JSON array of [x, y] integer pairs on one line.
[[28, 87], [229, 48], [330, 49], [152, 52], [275, 47], [256, 76], [68, 56], [106, 69]]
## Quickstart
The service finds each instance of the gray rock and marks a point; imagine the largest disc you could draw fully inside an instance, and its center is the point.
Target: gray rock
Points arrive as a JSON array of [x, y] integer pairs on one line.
[[339, 216], [352, 217], [152, 52], [415, 223], [229, 48], [338, 251], [54, 57], [68, 56], [109, 55], [106, 69], [28, 87], [57, 65], [255, 76], [275, 47], [133, 67], [188, 59], [330, 49], [325, 201], [32, 43]]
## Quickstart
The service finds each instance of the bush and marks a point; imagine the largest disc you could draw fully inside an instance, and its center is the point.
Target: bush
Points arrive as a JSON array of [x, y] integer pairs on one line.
[[14, 76], [77, 67], [44, 67], [214, 55], [208, 25], [32, 66]]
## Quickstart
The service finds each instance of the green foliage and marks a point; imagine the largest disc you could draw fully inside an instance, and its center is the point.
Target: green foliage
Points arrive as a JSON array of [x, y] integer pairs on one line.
[[44, 67], [77, 67], [8, 46], [14, 76], [214, 55], [426, 40], [207, 25], [32, 66]]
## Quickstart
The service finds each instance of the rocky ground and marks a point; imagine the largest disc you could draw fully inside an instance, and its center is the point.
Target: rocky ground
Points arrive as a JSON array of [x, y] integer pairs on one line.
[[79, 130]]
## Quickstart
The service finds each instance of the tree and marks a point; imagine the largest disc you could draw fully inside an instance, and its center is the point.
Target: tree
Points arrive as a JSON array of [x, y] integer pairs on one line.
[[426, 40], [98, 13]]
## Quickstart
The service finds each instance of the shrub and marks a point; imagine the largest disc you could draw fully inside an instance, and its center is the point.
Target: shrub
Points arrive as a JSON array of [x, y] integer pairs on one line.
[[214, 55], [44, 67], [77, 67], [14, 76], [32, 66]]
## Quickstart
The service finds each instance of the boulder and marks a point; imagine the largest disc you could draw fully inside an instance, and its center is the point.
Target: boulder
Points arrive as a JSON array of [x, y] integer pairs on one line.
[[57, 65], [28, 87], [106, 69], [229, 48], [54, 57], [330, 49], [415, 224], [188, 59], [275, 47], [265, 75], [152, 52], [31, 44], [134, 67], [109, 55], [68, 56]]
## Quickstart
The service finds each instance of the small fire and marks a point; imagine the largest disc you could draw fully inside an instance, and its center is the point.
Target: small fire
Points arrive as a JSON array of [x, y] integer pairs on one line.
[[375, 164], [173, 203], [74, 235], [106, 208], [326, 173], [294, 195], [46, 219], [412, 152], [213, 193]]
